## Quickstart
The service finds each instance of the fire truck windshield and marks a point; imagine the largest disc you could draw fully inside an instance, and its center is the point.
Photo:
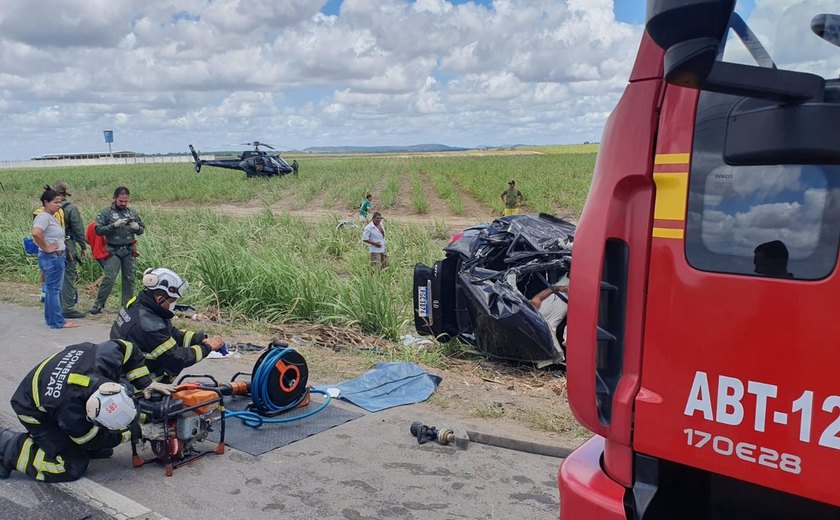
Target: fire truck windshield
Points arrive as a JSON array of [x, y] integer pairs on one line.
[[794, 35]]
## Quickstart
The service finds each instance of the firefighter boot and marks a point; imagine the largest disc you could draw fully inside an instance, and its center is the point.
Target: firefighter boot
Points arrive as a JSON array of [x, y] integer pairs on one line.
[[8, 451]]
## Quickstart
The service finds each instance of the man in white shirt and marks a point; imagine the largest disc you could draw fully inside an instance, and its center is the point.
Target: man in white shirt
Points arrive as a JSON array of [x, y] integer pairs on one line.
[[374, 237]]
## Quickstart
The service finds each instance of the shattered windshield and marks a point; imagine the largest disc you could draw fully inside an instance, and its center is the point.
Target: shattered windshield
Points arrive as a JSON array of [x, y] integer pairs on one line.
[[779, 32]]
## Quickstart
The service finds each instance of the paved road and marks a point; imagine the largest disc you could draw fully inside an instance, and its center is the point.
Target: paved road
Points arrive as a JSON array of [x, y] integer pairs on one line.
[[369, 468]]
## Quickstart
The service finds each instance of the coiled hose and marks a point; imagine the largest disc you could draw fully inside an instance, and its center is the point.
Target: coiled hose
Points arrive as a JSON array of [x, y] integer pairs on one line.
[[261, 396]]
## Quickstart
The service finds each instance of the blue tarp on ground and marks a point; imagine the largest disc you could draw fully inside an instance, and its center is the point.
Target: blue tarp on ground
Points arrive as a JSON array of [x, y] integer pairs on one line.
[[388, 385]]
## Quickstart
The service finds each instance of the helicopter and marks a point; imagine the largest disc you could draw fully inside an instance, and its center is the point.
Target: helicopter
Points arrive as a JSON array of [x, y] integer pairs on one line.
[[255, 163]]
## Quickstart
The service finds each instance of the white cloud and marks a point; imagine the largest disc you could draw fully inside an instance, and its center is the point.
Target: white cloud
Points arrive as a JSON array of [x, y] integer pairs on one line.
[[379, 72], [762, 205]]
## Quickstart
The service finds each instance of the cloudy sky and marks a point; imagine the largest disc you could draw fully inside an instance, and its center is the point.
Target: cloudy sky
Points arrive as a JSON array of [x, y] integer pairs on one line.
[[300, 73]]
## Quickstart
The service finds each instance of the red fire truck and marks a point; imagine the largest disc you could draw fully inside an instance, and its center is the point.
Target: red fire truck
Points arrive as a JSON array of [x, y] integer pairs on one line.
[[703, 343]]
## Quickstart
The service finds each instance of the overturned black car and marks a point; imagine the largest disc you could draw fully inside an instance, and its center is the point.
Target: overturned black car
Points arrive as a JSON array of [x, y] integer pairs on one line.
[[485, 290]]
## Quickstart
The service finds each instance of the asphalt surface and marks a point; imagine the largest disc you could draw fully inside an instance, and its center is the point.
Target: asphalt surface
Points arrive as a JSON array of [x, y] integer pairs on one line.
[[369, 468]]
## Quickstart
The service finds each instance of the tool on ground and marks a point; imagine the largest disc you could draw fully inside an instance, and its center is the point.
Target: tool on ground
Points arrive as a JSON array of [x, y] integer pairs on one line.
[[175, 424], [519, 445], [445, 436], [278, 385]]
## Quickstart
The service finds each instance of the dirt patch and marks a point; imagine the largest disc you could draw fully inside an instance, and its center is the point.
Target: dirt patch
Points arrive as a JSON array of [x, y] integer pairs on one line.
[[474, 211], [402, 206], [401, 212]]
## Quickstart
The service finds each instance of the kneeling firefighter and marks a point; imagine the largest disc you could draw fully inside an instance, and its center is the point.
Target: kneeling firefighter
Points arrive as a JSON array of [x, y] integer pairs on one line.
[[74, 409], [146, 321]]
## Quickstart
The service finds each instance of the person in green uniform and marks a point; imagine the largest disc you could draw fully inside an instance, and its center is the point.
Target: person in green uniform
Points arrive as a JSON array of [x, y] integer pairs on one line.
[[119, 224], [512, 199], [76, 251]]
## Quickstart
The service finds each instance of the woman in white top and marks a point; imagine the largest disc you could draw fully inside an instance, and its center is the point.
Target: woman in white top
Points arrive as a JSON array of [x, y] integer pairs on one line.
[[48, 235]]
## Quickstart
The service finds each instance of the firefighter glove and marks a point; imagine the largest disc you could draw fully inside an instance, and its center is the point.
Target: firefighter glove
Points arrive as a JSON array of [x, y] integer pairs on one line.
[[134, 225], [158, 388], [121, 222]]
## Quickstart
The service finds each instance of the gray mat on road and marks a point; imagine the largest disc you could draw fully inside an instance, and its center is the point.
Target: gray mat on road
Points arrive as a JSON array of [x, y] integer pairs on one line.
[[271, 436]]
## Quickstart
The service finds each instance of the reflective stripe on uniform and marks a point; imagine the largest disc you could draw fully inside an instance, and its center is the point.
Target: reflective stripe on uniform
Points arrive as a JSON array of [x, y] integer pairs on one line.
[[126, 436], [23, 458], [48, 467], [129, 348], [188, 336], [36, 396], [161, 349], [129, 302], [86, 437], [199, 354], [28, 419], [78, 379], [138, 373]]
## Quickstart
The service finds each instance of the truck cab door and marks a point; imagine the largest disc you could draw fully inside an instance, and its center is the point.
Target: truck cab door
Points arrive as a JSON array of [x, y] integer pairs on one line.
[[740, 346]]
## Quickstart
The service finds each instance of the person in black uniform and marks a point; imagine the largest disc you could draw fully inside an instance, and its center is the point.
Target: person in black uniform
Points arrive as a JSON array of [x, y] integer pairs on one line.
[[146, 321], [74, 409]]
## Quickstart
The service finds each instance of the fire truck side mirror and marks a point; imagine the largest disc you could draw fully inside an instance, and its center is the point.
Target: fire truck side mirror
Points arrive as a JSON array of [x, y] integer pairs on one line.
[[827, 27], [670, 22], [691, 32]]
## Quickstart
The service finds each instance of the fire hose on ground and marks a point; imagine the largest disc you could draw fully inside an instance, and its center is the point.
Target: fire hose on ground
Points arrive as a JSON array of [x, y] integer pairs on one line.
[[278, 384]]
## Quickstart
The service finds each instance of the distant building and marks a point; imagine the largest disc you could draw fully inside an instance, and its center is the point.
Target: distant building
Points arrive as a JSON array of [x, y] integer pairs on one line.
[[85, 155]]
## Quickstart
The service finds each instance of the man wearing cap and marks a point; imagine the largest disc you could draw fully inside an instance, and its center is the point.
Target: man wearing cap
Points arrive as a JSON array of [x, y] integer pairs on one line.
[[512, 199], [74, 410], [146, 321], [76, 251]]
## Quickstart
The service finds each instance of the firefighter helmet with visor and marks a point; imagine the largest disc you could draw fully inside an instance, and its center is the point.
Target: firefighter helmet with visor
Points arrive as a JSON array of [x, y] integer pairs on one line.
[[166, 280], [111, 406]]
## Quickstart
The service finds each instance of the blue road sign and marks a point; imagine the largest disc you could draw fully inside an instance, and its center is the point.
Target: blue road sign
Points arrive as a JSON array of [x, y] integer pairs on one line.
[[109, 136]]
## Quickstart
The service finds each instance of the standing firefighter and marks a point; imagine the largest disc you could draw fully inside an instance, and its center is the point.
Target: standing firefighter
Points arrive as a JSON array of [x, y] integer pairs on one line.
[[74, 410], [146, 321], [118, 224], [74, 239]]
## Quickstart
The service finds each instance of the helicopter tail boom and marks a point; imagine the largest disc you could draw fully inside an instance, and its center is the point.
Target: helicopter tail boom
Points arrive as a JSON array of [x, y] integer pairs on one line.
[[197, 160]]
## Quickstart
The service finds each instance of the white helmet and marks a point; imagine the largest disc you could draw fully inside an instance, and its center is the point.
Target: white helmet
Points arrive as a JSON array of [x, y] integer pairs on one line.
[[111, 406], [165, 280]]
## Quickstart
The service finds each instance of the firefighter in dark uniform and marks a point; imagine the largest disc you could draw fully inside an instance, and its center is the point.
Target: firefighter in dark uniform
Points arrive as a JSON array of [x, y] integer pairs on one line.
[[118, 223], [75, 241], [146, 321], [74, 409]]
